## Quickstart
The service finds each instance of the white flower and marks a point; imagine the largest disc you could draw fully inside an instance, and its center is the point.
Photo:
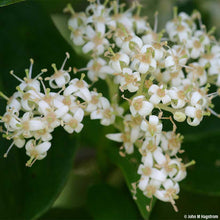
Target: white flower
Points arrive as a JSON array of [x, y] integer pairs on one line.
[[147, 171], [198, 99], [176, 58], [73, 123], [215, 70], [171, 142], [210, 57], [180, 28], [197, 73], [178, 98], [105, 113], [174, 77], [122, 20], [126, 138], [96, 42], [128, 80], [195, 46], [153, 126], [119, 61], [14, 102], [43, 134], [132, 44], [159, 51], [150, 188], [29, 124], [77, 20], [36, 152], [140, 24], [30, 99], [150, 36], [158, 94], [144, 60], [78, 88], [169, 193], [140, 106], [178, 171], [61, 77], [98, 68], [29, 83], [77, 36], [195, 113], [95, 103], [11, 121], [98, 16]]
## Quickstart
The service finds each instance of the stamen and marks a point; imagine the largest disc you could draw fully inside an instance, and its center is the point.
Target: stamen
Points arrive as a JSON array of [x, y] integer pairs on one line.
[[16, 77], [42, 71], [4, 96], [30, 69], [82, 76], [54, 67], [174, 206], [149, 207], [139, 7], [6, 154], [155, 21], [193, 162], [31, 161], [127, 99], [214, 113], [201, 25], [19, 90], [62, 89], [42, 83], [75, 70], [27, 74], [175, 12], [64, 62], [111, 51]]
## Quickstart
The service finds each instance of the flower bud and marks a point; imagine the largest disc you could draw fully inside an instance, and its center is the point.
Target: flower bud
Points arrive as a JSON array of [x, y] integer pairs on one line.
[[179, 116]]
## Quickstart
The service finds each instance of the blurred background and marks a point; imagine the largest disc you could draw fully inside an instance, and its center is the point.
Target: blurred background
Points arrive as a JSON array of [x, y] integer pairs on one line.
[[80, 179]]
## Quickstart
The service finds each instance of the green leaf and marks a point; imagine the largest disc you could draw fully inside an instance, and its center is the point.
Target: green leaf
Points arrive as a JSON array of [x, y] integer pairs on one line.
[[61, 213], [61, 23], [9, 2], [129, 166], [204, 176], [29, 192], [106, 202]]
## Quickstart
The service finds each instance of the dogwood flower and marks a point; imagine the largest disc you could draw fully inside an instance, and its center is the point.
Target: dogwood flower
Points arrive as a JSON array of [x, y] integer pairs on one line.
[[158, 94], [36, 152], [73, 123], [195, 115], [140, 106]]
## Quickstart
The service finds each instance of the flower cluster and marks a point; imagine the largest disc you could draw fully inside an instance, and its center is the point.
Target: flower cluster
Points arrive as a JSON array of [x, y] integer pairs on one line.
[[34, 111], [169, 71], [152, 76]]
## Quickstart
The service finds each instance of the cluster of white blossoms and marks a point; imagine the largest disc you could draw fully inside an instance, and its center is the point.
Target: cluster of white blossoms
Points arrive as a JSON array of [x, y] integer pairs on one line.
[[154, 72], [152, 76], [34, 111]]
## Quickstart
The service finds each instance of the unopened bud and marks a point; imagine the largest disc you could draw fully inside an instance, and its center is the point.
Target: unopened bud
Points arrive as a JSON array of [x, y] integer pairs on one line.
[[179, 116]]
